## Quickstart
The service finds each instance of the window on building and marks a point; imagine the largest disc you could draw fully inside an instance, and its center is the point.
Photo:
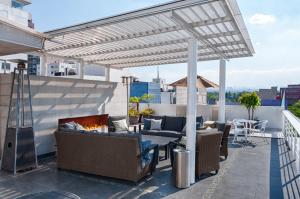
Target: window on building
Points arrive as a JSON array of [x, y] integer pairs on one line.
[[17, 4], [7, 66]]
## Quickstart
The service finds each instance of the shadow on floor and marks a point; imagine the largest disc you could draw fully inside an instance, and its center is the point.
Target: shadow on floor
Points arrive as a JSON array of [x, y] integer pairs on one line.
[[284, 181]]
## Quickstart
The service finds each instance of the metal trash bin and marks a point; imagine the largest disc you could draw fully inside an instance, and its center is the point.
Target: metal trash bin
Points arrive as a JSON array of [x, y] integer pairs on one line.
[[181, 168]]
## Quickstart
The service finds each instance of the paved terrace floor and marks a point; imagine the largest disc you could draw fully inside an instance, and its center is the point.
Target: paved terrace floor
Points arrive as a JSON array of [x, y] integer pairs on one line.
[[261, 171]]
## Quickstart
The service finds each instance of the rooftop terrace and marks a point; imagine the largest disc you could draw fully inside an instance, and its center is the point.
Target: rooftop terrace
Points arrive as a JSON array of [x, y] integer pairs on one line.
[[259, 171]]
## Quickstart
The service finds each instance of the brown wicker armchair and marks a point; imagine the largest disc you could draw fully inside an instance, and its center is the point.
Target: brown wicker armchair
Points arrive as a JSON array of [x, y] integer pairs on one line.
[[208, 152], [224, 143]]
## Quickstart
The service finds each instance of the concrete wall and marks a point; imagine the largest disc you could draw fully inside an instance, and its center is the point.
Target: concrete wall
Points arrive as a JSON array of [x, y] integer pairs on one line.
[[210, 112], [181, 95], [55, 98]]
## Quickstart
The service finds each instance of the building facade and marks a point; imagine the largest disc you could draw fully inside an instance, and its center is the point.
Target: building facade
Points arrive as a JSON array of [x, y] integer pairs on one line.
[[291, 93], [138, 89], [13, 10], [62, 69]]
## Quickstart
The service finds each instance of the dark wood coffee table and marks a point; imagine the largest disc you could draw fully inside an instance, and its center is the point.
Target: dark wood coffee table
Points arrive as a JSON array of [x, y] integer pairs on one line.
[[162, 142]]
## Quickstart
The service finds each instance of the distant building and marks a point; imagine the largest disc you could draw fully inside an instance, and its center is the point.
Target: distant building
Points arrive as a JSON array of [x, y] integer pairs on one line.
[[138, 89], [13, 11], [292, 93], [201, 84], [62, 69], [33, 65], [268, 94], [160, 81]]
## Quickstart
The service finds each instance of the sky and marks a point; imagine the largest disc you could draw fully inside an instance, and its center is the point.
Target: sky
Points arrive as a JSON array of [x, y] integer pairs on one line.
[[273, 25]]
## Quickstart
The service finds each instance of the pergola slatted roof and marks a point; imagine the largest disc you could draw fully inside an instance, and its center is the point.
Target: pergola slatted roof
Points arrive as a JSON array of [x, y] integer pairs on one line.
[[157, 35]]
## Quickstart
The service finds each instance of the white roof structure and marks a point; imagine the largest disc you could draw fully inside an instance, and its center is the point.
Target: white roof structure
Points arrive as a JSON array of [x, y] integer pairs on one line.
[[156, 35], [16, 38]]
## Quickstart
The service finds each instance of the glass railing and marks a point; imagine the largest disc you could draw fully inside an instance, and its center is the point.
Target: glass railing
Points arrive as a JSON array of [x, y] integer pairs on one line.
[[291, 130]]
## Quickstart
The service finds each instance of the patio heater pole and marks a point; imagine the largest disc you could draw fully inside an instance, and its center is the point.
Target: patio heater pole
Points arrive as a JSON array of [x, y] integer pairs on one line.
[[191, 105], [222, 82], [127, 80]]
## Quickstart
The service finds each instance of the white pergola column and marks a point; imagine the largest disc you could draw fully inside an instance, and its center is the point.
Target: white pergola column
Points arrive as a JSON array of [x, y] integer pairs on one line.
[[222, 86], [191, 106], [43, 65], [81, 69], [107, 73]]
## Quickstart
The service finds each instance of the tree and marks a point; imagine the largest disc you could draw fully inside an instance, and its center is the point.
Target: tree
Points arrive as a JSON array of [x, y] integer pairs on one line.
[[147, 98], [250, 101], [135, 100], [295, 109]]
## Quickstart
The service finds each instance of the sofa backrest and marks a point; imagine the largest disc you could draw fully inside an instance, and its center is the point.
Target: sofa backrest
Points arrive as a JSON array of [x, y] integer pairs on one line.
[[113, 155], [173, 123]]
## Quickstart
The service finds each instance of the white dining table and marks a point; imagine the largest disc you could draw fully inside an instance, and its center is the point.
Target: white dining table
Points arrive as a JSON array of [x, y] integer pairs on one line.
[[248, 124]]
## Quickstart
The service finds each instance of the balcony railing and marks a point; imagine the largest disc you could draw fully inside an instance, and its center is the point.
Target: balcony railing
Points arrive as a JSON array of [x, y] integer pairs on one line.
[[291, 130]]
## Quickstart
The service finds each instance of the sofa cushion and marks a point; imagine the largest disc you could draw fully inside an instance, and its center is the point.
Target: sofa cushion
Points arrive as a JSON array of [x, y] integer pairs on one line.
[[120, 125], [173, 123], [146, 157], [147, 123], [165, 133], [124, 134], [155, 124], [114, 118], [159, 118]]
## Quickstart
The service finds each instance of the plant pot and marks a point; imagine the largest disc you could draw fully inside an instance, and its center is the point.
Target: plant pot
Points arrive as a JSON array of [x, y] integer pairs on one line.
[[133, 119]]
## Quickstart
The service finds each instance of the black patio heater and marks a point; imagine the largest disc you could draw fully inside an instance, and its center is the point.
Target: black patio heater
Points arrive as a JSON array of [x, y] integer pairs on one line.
[[19, 153]]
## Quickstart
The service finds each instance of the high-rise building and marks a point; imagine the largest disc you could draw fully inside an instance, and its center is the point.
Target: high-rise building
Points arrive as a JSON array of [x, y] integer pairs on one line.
[[13, 10]]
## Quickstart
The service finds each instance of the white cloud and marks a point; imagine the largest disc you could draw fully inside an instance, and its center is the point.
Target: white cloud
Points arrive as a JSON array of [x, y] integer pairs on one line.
[[262, 19]]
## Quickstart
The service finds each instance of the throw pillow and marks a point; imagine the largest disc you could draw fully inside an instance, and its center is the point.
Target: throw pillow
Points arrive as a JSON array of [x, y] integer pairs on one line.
[[69, 125], [146, 157], [79, 127], [155, 124], [120, 125], [147, 124]]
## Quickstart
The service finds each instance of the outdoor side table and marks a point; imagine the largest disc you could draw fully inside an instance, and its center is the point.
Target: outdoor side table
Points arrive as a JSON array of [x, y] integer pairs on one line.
[[50, 195], [139, 125]]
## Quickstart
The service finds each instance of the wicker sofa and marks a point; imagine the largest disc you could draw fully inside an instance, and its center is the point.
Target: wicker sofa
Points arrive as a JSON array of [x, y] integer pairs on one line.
[[92, 152]]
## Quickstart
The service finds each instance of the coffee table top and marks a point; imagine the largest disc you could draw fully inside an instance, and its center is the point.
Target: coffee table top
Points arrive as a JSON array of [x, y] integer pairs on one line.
[[159, 140]]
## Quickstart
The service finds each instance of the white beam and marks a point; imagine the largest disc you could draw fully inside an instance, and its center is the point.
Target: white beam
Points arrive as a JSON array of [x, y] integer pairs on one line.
[[222, 86], [44, 65], [191, 106], [107, 74], [138, 54], [81, 69]]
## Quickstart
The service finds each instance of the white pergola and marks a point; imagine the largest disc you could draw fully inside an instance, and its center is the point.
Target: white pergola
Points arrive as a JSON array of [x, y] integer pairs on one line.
[[182, 31]]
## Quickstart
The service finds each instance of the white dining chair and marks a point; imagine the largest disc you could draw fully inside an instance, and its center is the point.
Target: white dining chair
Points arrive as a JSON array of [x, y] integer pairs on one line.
[[260, 127], [239, 129]]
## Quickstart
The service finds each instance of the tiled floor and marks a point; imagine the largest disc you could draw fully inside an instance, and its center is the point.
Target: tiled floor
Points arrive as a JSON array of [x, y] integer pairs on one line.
[[256, 171]]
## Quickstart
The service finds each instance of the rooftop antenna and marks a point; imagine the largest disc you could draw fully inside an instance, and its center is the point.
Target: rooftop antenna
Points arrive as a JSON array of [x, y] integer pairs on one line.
[[157, 72]]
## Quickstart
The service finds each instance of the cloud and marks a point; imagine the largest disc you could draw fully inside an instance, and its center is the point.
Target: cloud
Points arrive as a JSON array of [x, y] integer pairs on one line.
[[262, 19]]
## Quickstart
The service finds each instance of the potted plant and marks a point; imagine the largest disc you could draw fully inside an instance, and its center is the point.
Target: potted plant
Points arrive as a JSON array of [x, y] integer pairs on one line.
[[147, 112], [133, 116], [250, 101]]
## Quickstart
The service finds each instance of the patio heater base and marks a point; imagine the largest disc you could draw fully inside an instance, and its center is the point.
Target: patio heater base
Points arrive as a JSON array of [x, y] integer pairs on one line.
[[19, 150]]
